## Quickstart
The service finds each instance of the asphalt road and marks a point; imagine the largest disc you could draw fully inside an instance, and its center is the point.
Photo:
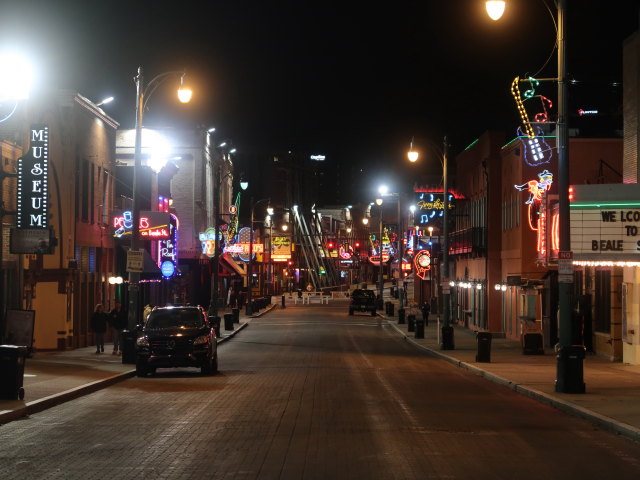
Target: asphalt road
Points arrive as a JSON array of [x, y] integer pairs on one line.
[[310, 392]]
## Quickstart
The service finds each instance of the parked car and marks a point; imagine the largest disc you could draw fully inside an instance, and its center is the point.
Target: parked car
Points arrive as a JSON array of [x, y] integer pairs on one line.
[[363, 300], [177, 337]]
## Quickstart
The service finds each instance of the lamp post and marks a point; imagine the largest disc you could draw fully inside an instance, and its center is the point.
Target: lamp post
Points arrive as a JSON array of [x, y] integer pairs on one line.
[[447, 329], [143, 93], [380, 286], [249, 309], [384, 191], [569, 372]]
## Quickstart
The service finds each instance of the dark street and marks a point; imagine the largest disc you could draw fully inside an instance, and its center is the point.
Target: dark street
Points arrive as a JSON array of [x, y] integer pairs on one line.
[[309, 392]]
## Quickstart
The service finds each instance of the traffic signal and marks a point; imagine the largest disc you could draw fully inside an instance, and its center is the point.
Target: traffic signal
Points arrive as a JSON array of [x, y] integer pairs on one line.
[[357, 244], [330, 245]]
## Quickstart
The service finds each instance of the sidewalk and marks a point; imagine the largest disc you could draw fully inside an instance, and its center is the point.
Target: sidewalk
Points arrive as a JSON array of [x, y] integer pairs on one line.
[[51, 378], [612, 398]]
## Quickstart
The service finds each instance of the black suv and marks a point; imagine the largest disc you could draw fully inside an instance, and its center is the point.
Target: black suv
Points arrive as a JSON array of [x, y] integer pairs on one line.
[[363, 301], [177, 337]]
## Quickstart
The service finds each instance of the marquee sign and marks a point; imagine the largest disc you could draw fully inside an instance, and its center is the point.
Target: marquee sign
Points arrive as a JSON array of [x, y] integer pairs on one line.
[[33, 170], [152, 225], [606, 232]]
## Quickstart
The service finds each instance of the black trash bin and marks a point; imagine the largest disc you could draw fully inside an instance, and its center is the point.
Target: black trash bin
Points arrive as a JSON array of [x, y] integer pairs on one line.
[[411, 323], [236, 315], [447, 338], [129, 338], [419, 329], [12, 358], [484, 347], [570, 369], [228, 321], [400, 316]]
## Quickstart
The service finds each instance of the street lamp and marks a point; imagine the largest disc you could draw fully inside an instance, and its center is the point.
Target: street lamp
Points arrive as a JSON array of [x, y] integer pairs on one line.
[[143, 93], [384, 191], [249, 309], [380, 286], [447, 329], [569, 373]]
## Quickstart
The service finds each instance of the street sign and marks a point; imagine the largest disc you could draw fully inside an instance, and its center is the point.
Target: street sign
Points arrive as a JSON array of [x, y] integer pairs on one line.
[[135, 261], [565, 267]]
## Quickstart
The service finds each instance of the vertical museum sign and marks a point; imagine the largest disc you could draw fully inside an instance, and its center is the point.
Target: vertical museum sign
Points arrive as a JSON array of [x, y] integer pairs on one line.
[[33, 194]]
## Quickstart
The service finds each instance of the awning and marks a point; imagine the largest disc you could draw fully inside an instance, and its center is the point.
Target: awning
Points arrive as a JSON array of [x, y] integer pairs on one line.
[[231, 265]]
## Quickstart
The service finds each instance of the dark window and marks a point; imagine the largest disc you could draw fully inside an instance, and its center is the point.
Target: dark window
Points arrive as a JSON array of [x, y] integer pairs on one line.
[[602, 301]]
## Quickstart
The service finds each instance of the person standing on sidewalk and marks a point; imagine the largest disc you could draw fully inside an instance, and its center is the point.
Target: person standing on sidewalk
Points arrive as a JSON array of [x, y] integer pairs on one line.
[[118, 321], [99, 326], [426, 309]]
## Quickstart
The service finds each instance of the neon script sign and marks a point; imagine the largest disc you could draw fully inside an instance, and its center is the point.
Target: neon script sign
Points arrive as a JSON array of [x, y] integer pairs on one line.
[[152, 225]]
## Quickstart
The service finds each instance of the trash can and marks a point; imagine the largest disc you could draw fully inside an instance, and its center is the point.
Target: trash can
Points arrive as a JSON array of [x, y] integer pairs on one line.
[[447, 338], [484, 347], [129, 338], [570, 369], [236, 315], [228, 321], [411, 323], [419, 329], [12, 358], [400, 316]]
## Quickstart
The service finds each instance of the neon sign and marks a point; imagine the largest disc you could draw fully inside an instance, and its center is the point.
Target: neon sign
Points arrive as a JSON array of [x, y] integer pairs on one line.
[[33, 169], [536, 149], [168, 249], [422, 262], [431, 205], [536, 189], [152, 225]]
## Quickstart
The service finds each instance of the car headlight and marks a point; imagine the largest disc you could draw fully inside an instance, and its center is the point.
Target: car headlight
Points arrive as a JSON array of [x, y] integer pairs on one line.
[[142, 342], [201, 340]]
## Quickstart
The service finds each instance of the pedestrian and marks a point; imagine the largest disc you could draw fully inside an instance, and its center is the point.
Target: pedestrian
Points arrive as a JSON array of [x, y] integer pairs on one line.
[[99, 326], [118, 321], [426, 309]]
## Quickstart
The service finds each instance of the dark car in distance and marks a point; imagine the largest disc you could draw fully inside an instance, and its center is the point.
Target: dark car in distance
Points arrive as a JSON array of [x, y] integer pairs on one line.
[[177, 337], [363, 301]]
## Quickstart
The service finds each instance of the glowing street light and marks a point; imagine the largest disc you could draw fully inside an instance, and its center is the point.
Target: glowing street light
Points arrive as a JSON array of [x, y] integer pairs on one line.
[[495, 9]]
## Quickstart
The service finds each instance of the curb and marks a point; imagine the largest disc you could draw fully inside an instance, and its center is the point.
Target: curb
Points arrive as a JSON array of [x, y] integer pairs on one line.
[[62, 397], [602, 421]]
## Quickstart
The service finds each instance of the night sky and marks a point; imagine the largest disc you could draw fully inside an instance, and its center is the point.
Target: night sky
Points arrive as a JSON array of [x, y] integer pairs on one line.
[[352, 80]]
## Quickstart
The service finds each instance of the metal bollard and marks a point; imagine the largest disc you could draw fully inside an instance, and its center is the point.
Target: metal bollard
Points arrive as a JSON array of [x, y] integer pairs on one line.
[[419, 329], [411, 323], [283, 305], [400, 316]]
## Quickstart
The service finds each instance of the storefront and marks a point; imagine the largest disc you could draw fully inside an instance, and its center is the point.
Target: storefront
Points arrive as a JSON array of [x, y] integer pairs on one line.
[[605, 241]]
